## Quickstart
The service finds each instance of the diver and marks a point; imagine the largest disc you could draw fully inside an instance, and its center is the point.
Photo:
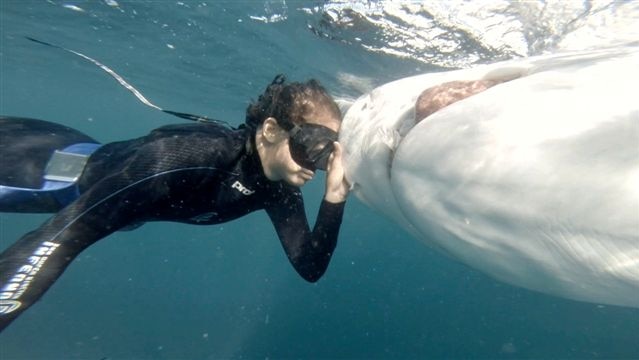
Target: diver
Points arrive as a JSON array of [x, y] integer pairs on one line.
[[199, 173]]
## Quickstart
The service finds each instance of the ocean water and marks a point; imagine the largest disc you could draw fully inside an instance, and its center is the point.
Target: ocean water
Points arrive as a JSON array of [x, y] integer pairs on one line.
[[172, 291]]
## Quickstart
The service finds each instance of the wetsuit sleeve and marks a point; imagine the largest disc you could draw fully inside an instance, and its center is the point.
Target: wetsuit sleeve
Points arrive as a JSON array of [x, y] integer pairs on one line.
[[308, 251]]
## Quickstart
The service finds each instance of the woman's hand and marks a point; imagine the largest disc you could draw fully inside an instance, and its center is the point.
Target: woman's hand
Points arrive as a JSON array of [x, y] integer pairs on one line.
[[336, 185]]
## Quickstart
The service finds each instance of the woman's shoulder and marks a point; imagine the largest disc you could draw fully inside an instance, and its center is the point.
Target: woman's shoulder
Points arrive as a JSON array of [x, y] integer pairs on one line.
[[195, 142], [198, 134], [213, 130]]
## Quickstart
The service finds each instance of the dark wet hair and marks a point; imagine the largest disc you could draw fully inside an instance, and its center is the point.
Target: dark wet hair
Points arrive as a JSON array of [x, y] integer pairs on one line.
[[290, 103]]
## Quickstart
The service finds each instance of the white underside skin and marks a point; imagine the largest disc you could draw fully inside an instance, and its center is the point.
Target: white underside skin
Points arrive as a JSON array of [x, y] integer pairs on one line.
[[534, 181]]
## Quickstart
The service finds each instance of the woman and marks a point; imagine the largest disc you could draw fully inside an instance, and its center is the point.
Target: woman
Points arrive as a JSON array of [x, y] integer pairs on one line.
[[202, 173]]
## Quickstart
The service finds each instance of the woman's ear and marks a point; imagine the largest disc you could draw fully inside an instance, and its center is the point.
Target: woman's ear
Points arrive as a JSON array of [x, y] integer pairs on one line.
[[271, 130]]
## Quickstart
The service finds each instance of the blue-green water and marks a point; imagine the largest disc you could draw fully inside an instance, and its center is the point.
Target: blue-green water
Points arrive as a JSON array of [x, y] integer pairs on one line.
[[168, 291]]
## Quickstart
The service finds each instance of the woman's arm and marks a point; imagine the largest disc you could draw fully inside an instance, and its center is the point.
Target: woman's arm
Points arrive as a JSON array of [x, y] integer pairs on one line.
[[310, 252]]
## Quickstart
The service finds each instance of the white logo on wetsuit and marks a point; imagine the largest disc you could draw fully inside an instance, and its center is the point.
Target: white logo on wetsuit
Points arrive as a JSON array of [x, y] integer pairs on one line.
[[7, 306], [20, 281], [241, 188]]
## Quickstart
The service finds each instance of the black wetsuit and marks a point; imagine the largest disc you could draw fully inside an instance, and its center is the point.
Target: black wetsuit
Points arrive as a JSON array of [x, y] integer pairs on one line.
[[192, 173]]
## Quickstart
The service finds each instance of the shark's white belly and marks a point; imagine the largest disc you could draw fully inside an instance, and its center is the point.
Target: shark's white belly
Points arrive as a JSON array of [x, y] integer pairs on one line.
[[534, 181]]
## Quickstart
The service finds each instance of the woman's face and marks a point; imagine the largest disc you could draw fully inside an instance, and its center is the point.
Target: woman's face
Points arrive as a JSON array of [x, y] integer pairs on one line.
[[285, 168], [274, 150]]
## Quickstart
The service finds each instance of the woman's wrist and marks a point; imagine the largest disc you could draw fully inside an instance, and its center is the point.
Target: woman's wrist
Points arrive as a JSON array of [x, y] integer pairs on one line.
[[335, 197]]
